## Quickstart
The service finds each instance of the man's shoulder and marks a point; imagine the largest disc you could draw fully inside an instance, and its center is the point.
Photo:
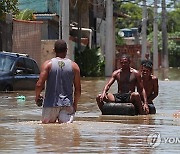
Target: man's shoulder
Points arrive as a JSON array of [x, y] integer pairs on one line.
[[154, 78], [133, 70], [117, 71], [74, 63], [47, 62], [75, 66]]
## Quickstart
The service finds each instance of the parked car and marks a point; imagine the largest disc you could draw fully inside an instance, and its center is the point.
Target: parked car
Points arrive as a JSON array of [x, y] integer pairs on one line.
[[17, 72]]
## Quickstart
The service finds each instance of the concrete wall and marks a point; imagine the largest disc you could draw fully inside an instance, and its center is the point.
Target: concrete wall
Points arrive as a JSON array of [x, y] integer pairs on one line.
[[47, 50]]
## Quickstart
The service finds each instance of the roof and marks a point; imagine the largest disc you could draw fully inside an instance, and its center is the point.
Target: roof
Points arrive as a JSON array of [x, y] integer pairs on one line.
[[40, 6], [46, 16], [14, 54]]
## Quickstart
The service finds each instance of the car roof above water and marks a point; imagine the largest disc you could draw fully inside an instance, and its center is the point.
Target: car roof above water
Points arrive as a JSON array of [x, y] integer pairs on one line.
[[14, 54]]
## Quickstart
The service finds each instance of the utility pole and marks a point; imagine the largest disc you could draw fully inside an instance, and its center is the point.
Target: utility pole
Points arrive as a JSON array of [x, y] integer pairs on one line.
[[79, 11], [60, 19], [155, 40], [109, 49], [65, 25], [165, 60], [144, 31]]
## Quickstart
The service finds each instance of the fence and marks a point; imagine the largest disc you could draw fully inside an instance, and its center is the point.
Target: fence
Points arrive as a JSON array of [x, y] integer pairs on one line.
[[27, 38]]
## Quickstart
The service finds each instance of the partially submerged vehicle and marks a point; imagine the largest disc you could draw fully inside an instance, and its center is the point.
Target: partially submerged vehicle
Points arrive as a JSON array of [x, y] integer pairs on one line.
[[17, 72]]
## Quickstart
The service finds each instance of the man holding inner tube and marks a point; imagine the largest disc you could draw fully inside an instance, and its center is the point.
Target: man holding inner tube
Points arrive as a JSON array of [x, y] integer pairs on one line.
[[150, 83], [128, 79]]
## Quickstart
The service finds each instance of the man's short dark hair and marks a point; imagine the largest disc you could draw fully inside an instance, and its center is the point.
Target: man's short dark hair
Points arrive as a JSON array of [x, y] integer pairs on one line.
[[60, 46], [147, 64], [125, 56]]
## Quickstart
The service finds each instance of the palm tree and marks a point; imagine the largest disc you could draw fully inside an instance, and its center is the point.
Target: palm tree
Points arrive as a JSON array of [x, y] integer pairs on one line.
[[25, 15]]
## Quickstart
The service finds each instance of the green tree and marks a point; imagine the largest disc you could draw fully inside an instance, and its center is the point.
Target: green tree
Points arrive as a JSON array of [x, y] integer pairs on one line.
[[133, 11], [8, 6], [173, 47], [173, 20], [91, 62]]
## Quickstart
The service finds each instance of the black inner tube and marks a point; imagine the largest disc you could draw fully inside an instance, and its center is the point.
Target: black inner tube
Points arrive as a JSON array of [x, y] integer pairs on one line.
[[123, 109]]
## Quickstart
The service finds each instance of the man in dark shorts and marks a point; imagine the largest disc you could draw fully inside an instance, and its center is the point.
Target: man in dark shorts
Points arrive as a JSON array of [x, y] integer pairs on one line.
[[128, 79], [150, 83], [122, 98]]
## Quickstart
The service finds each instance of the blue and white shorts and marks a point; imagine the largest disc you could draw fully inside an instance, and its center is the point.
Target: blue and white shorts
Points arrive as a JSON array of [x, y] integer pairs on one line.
[[62, 114]]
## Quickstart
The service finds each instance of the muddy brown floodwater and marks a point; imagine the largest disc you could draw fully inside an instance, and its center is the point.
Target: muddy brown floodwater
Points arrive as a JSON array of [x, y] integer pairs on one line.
[[21, 130]]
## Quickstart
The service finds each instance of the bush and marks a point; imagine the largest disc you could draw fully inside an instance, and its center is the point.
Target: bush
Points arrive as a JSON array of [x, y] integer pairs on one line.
[[173, 47], [91, 62]]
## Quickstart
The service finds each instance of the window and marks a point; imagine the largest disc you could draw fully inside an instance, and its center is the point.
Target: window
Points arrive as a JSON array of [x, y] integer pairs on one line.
[[36, 68], [20, 65], [29, 66], [6, 63]]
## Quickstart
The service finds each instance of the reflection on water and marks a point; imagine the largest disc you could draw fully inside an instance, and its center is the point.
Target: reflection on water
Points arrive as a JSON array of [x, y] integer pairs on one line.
[[21, 130]]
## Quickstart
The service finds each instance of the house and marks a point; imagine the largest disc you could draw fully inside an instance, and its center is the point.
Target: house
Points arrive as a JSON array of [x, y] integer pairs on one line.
[[87, 21], [47, 11]]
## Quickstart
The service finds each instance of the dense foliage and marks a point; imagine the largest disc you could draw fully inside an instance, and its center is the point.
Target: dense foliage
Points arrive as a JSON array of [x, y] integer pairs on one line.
[[8, 6], [134, 11], [91, 62], [25, 15], [173, 23], [173, 47]]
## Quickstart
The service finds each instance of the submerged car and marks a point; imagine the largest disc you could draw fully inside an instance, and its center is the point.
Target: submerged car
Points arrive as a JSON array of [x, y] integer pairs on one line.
[[17, 72]]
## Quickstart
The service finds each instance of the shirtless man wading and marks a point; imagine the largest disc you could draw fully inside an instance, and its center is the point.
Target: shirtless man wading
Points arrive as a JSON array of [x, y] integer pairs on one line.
[[128, 79]]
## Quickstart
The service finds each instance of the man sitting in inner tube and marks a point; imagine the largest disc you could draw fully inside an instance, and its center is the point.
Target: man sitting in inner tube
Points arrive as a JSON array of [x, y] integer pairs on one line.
[[128, 79], [150, 83]]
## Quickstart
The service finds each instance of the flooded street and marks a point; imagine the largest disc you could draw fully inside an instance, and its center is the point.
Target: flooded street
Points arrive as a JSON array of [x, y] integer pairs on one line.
[[21, 130]]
